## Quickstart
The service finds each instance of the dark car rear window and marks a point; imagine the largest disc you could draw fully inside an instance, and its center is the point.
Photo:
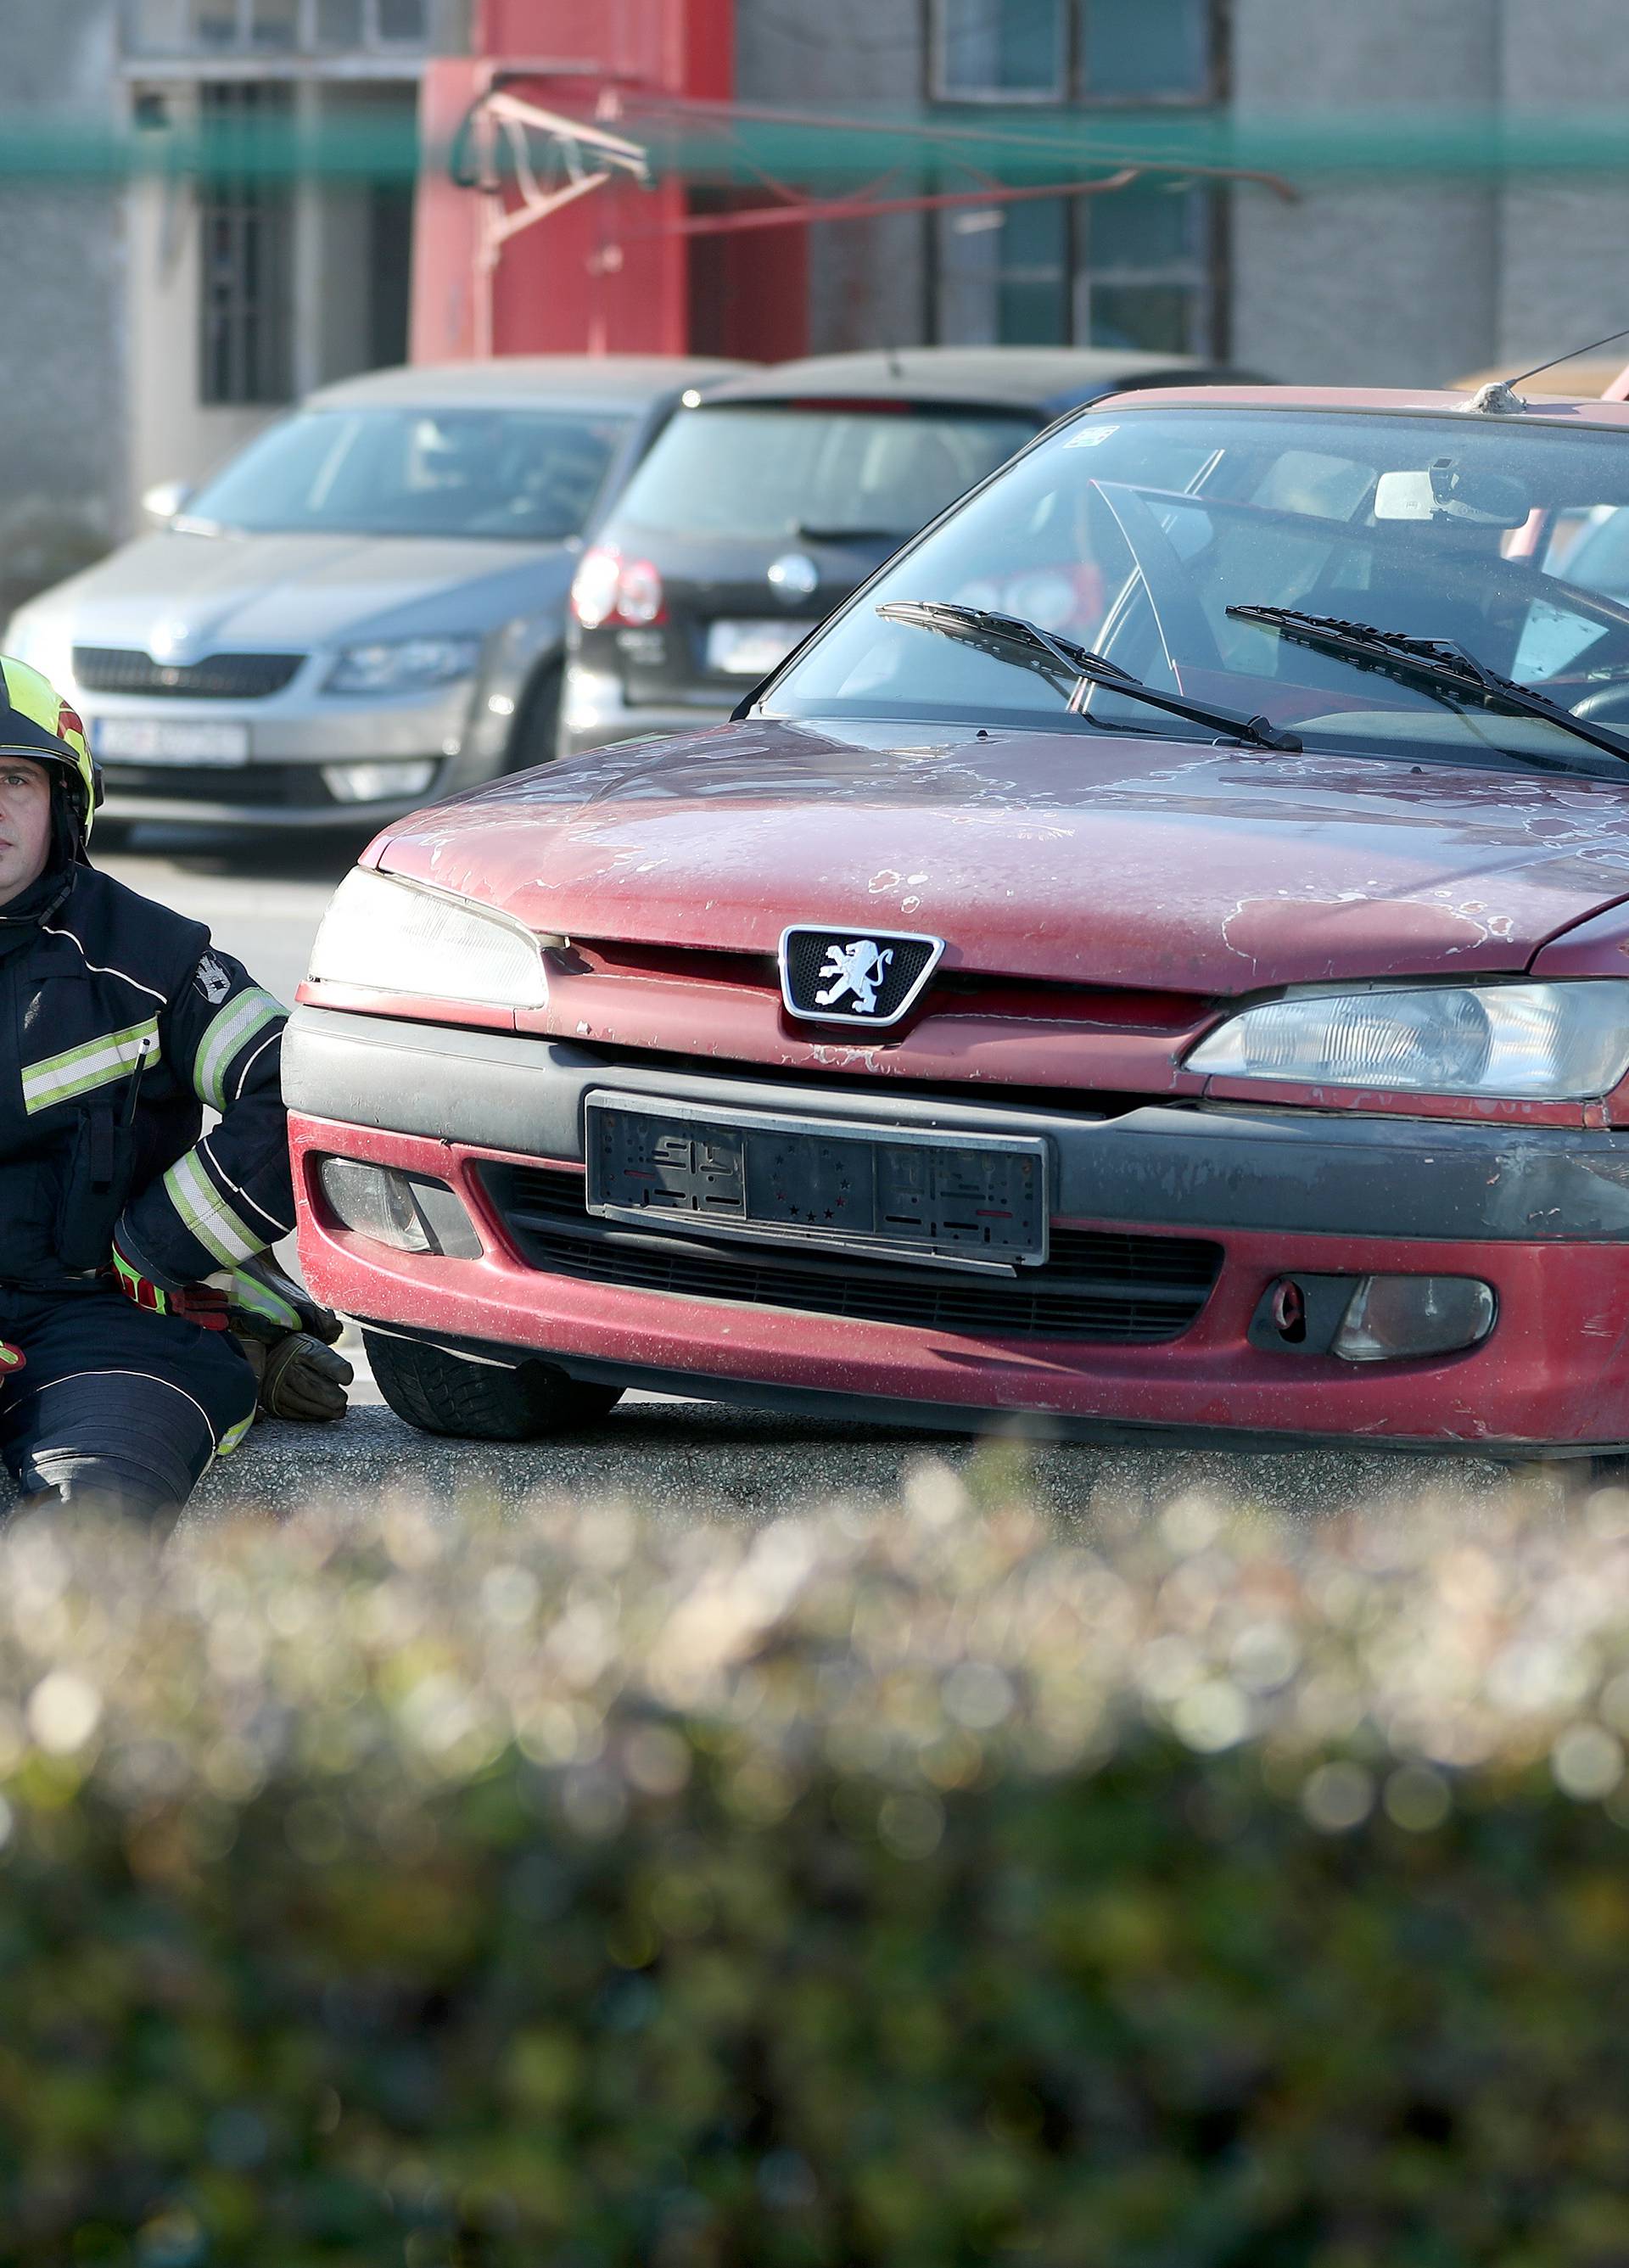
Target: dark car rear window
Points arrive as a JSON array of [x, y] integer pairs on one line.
[[780, 470]]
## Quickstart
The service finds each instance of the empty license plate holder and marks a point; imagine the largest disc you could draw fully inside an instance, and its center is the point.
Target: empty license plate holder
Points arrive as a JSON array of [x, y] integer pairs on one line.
[[925, 1197]]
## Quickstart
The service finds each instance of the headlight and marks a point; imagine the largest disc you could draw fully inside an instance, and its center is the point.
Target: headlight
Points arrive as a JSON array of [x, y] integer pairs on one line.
[[1523, 1042], [388, 936], [45, 641], [402, 665]]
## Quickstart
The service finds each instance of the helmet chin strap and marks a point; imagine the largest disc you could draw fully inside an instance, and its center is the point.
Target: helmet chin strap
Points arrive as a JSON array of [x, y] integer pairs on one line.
[[68, 844]]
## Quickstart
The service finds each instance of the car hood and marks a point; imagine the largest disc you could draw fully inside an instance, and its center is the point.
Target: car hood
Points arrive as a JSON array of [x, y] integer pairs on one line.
[[1072, 858], [209, 594]]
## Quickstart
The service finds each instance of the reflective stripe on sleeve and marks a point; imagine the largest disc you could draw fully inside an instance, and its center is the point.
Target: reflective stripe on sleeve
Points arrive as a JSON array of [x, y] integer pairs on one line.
[[206, 1214], [255, 1299], [234, 1436], [95, 1063], [226, 1038]]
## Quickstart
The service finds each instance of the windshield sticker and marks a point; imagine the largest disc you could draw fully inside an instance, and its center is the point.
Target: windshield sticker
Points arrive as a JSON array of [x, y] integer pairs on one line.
[[1089, 436]]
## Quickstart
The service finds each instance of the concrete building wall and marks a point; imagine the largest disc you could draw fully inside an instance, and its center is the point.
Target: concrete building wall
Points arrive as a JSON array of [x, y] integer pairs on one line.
[[1563, 245], [63, 349], [1368, 283], [868, 282]]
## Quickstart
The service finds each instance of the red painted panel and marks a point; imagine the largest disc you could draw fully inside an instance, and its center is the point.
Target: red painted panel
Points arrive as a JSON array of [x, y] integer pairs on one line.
[[447, 222], [749, 294], [600, 276], [684, 46]]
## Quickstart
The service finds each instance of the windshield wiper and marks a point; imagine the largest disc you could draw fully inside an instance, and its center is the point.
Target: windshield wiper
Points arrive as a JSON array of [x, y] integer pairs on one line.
[[1437, 663], [814, 532], [1011, 636]]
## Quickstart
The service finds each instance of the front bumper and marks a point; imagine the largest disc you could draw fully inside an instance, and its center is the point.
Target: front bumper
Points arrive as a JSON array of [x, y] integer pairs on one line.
[[292, 735], [1540, 1213]]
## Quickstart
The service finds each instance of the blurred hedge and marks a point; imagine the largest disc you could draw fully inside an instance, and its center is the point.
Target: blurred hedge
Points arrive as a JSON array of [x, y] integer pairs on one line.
[[931, 1888]]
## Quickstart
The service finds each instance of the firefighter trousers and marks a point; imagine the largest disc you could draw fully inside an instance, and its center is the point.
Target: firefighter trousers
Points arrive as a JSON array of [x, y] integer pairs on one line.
[[114, 1402]]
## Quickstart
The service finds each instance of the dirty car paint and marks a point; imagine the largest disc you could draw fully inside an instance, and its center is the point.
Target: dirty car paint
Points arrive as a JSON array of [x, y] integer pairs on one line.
[[1074, 859]]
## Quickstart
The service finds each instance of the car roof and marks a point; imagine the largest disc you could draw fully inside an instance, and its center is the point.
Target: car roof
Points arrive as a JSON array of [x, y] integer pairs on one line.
[[519, 381], [1041, 379], [1388, 401]]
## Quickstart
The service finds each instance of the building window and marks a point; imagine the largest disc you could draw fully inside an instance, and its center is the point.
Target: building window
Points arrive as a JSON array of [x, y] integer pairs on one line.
[[1002, 50], [244, 251], [274, 24], [1132, 269], [1072, 51], [266, 27]]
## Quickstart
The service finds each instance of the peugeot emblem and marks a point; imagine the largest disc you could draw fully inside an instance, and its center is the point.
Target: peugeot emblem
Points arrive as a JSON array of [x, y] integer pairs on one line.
[[795, 576], [848, 976]]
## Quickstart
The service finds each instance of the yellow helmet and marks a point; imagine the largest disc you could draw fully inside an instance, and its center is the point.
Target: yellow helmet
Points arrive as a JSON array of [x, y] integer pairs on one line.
[[35, 721]]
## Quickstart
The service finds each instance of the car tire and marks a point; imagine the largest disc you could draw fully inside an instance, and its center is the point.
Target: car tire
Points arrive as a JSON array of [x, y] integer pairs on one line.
[[536, 734], [443, 1393]]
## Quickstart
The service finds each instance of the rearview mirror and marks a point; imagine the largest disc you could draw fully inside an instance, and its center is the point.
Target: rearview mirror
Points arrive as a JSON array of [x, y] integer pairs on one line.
[[1449, 490], [166, 500]]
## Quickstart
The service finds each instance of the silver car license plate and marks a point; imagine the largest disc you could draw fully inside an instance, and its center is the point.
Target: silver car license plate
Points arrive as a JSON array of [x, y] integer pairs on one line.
[[942, 1200], [143, 740], [751, 649]]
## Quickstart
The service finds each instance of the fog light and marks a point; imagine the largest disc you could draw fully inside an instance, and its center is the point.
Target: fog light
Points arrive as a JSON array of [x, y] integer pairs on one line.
[[410, 1212], [376, 1203], [371, 783], [1391, 1317]]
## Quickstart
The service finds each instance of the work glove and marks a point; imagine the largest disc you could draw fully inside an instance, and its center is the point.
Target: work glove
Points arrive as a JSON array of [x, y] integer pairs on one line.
[[286, 1335], [299, 1378], [288, 1338]]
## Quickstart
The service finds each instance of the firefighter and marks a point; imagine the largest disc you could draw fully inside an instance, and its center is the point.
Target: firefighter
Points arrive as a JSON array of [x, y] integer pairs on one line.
[[140, 1327]]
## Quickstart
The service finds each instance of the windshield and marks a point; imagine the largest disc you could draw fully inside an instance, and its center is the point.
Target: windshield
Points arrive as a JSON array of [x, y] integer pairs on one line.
[[1133, 534], [778, 472], [531, 475]]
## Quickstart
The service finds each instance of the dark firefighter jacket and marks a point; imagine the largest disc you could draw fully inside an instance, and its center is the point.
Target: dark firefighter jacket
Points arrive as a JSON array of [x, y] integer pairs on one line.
[[119, 1023]]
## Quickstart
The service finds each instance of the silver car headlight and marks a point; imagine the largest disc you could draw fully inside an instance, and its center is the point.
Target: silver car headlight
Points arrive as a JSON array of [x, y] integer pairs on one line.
[[389, 935], [402, 665], [1521, 1043], [44, 640]]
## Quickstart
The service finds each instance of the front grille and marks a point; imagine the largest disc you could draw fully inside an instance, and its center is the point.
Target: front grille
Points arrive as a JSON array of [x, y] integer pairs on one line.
[[1108, 1286], [219, 677], [291, 784]]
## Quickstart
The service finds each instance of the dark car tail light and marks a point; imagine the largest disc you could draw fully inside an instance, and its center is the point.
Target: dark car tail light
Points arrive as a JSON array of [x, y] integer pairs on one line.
[[608, 589], [639, 594]]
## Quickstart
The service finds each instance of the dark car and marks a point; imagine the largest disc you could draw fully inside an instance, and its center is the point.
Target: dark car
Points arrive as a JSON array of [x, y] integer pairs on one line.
[[769, 503]]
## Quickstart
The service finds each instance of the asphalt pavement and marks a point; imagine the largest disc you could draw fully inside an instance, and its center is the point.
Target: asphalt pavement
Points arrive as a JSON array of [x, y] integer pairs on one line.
[[262, 897]]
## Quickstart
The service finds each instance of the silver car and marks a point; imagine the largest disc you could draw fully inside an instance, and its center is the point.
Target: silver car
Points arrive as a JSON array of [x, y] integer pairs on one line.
[[363, 610]]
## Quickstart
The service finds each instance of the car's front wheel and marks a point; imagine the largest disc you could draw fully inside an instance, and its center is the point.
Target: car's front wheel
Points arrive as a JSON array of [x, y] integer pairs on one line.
[[443, 1393]]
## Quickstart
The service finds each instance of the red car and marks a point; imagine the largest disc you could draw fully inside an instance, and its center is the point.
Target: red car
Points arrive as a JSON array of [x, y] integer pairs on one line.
[[1158, 958]]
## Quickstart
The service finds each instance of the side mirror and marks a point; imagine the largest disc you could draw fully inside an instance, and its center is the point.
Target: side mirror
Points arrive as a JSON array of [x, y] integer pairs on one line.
[[166, 500]]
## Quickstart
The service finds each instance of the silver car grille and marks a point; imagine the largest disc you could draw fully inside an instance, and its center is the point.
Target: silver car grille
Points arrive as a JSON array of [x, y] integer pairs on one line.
[[219, 677]]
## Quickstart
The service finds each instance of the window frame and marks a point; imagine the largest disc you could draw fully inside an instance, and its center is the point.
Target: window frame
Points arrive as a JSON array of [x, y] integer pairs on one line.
[[1203, 274], [1074, 92], [245, 331], [242, 44]]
